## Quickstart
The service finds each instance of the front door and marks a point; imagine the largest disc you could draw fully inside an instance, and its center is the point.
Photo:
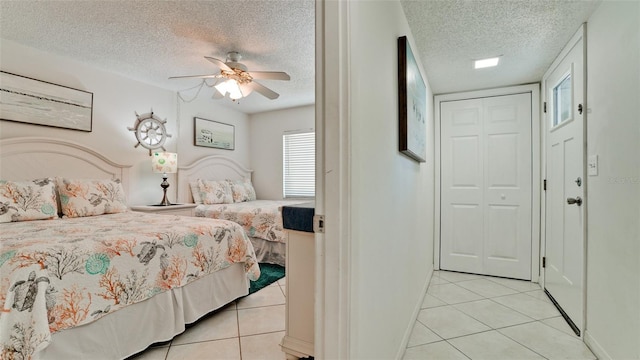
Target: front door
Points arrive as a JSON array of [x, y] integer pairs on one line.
[[486, 193], [564, 204]]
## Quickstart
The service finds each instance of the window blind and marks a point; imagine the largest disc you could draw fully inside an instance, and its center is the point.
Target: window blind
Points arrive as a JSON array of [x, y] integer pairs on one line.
[[299, 164]]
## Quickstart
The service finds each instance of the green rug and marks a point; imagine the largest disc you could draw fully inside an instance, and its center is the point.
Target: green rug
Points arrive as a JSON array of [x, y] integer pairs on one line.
[[269, 273]]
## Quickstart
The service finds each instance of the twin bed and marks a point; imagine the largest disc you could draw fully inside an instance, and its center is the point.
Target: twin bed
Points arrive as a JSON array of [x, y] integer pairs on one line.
[[261, 219], [109, 285]]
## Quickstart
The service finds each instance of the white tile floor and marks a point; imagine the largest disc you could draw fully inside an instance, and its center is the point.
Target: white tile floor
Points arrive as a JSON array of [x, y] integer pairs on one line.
[[463, 316], [248, 329], [467, 316]]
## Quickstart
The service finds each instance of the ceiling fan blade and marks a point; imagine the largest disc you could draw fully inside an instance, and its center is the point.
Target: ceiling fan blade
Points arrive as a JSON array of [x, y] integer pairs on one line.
[[195, 77], [219, 63], [269, 75], [264, 90]]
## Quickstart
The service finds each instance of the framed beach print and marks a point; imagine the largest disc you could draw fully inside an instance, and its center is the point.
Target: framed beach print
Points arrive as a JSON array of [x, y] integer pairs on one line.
[[32, 101], [214, 134], [412, 96]]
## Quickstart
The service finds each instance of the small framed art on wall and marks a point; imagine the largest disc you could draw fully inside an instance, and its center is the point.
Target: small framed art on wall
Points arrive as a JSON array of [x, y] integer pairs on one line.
[[209, 133]]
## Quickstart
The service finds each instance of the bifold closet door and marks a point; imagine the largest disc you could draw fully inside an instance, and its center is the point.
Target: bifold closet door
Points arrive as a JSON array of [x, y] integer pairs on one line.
[[486, 193]]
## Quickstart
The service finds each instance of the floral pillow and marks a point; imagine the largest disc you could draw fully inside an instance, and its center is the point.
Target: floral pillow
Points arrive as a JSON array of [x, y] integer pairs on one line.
[[194, 186], [215, 192], [27, 200], [242, 190], [83, 197]]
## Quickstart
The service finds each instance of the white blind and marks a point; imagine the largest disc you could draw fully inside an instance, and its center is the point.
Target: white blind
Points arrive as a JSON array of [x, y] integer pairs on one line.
[[299, 164]]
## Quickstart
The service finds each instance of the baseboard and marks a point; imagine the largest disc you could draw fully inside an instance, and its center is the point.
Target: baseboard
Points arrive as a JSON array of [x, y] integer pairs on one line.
[[416, 310], [595, 347]]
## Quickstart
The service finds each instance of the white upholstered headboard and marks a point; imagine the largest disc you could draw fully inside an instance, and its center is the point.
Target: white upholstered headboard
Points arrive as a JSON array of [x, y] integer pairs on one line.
[[213, 167], [27, 158]]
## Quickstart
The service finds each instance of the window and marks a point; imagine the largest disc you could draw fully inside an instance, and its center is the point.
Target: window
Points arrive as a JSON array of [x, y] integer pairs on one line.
[[562, 101], [299, 164]]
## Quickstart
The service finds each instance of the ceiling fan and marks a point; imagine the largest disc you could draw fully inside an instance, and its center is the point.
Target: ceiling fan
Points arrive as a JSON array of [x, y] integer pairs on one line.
[[236, 81]]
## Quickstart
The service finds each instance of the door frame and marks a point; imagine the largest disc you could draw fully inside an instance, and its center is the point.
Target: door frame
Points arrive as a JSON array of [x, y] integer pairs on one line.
[[536, 179], [332, 266], [580, 34]]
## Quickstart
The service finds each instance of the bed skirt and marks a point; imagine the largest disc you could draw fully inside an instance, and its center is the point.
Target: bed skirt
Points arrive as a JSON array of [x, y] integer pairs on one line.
[[132, 329], [269, 252]]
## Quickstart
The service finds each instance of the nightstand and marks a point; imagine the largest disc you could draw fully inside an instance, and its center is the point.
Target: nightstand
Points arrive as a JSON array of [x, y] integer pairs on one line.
[[177, 209]]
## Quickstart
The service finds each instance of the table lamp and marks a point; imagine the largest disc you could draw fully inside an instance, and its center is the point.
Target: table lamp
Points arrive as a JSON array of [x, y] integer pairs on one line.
[[165, 163]]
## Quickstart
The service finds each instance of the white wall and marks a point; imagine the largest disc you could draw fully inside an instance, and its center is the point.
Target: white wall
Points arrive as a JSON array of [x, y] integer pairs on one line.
[[613, 197], [115, 101], [392, 196], [267, 129]]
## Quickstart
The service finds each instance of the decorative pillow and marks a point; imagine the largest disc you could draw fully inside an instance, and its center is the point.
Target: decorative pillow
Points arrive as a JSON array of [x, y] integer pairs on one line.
[[27, 200], [242, 190], [215, 192], [194, 186], [82, 197]]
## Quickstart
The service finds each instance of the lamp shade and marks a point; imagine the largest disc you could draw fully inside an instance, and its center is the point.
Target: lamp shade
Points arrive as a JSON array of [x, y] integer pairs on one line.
[[164, 162], [230, 87]]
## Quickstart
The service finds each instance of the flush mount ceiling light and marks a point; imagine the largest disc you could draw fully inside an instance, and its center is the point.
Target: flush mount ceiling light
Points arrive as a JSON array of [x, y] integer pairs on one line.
[[485, 63]]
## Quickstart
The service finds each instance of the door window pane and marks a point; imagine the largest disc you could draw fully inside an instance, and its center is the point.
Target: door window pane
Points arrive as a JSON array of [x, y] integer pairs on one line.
[[562, 101]]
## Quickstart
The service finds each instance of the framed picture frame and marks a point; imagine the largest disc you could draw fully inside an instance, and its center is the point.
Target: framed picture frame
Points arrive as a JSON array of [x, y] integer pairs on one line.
[[31, 101], [213, 134], [412, 104]]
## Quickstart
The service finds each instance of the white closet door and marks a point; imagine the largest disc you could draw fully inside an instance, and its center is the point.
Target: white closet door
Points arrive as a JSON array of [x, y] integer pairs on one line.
[[462, 220], [486, 186]]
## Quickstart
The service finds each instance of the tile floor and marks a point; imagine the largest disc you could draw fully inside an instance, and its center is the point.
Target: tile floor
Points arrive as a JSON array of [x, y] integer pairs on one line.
[[467, 316], [248, 329], [463, 316]]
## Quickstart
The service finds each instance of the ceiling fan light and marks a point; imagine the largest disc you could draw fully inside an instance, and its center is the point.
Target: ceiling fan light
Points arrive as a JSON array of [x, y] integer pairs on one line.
[[231, 88]]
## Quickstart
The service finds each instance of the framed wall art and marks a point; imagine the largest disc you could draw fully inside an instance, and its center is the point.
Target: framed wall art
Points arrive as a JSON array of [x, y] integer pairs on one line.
[[412, 96], [32, 101], [214, 134]]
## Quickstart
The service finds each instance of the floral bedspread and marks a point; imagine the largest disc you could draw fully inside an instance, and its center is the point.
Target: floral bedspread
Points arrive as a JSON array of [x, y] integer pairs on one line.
[[57, 274], [259, 218]]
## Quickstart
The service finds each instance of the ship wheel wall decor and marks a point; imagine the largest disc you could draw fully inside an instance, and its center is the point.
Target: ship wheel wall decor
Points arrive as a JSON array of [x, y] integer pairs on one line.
[[150, 131]]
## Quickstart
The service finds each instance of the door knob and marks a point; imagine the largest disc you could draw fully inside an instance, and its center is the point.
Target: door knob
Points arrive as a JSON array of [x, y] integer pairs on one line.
[[577, 201]]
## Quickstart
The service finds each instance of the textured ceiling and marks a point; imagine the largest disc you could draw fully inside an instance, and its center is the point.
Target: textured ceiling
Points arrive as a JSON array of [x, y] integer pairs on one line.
[[152, 40], [527, 34]]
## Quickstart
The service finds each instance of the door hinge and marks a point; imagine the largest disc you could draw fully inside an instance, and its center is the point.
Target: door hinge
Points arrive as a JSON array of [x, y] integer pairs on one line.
[[544, 185], [545, 107], [318, 223], [544, 262]]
